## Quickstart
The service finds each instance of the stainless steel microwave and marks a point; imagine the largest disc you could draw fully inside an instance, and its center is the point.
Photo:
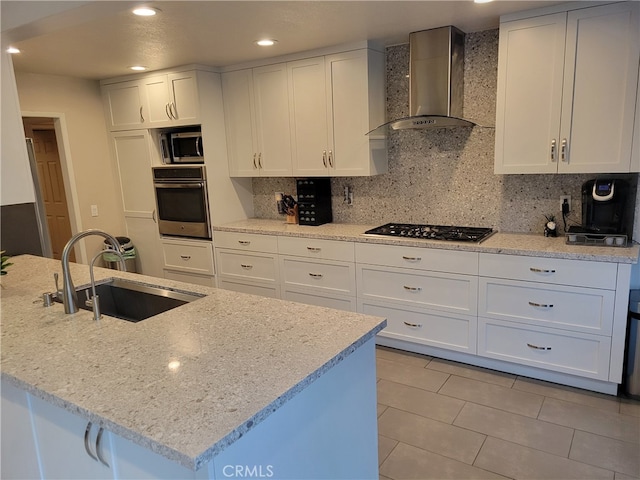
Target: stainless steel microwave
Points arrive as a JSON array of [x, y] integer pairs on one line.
[[182, 147]]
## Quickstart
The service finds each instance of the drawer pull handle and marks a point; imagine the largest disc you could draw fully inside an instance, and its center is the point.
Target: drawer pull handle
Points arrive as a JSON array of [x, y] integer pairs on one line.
[[535, 347], [314, 249], [185, 257], [541, 305], [244, 242], [86, 442], [415, 325], [315, 275], [411, 259], [541, 270], [98, 449], [412, 289], [246, 266]]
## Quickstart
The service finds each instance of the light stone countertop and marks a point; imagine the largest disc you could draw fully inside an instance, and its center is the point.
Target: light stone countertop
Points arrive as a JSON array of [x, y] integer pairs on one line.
[[504, 243], [241, 357]]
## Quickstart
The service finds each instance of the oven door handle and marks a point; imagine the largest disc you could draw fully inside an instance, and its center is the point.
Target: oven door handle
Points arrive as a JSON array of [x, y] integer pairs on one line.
[[179, 185]]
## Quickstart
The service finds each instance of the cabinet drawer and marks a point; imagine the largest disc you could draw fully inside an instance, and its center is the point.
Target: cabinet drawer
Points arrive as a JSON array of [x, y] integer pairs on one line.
[[339, 303], [568, 352], [450, 261], [560, 271], [246, 241], [206, 280], [262, 290], [334, 277], [188, 257], [440, 291], [249, 265], [453, 332], [317, 248], [587, 310]]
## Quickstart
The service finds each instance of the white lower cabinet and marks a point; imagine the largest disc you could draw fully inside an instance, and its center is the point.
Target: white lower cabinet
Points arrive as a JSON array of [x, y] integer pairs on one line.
[[318, 272], [189, 261], [421, 326], [69, 446], [19, 458], [248, 263], [548, 348], [554, 314], [422, 301]]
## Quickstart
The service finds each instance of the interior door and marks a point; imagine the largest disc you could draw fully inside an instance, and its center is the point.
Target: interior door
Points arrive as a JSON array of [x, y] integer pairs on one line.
[[52, 186]]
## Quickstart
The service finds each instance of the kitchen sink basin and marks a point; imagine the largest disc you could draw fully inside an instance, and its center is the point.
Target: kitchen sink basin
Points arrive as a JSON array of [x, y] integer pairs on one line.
[[133, 301]]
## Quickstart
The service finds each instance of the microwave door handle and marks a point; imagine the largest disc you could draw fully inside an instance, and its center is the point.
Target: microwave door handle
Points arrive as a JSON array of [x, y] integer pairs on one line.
[[179, 185], [198, 141]]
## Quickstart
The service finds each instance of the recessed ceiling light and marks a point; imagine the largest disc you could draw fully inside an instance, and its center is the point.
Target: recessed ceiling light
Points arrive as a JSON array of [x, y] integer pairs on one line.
[[138, 68], [13, 50], [482, 1], [267, 42], [145, 11]]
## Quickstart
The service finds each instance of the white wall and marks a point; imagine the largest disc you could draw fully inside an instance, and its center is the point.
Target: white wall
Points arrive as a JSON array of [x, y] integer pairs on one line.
[[16, 184], [91, 177]]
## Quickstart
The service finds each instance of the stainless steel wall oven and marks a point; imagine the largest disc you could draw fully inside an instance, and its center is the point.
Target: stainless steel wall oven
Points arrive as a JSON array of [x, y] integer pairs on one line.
[[182, 201]]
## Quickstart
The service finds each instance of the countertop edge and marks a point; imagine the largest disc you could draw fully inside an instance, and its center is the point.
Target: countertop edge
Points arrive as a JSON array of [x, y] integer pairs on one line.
[[499, 242]]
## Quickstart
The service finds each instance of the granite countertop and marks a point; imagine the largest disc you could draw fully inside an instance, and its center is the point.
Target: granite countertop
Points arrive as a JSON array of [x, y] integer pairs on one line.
[[504, 243], [240, 357]]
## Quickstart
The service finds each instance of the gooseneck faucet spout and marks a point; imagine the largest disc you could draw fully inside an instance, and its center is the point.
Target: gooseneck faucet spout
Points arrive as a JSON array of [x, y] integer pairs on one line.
[[69, 297]]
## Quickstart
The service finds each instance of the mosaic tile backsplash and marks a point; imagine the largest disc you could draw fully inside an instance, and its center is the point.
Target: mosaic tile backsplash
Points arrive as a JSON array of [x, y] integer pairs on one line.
[[444, 176]]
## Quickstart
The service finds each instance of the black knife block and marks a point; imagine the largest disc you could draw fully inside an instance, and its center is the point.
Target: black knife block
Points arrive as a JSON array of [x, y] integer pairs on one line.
[[314, 201]]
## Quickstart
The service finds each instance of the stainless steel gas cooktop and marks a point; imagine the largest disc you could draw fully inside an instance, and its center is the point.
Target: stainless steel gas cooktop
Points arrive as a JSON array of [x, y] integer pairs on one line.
[[432, 232]]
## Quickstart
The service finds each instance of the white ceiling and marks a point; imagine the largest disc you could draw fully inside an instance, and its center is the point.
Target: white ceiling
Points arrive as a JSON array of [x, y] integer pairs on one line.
[[101, 39]]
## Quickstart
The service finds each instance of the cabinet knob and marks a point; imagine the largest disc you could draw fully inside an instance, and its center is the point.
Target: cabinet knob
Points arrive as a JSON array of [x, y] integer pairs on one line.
[[541, 270], [553, 150], [324, 158], [254, 161], [185, 257], [314, 249], [411, 259], [536, 347], [412, 289], [246, 266], [315, 275], [564, 154], [244, 242], [414, 325]]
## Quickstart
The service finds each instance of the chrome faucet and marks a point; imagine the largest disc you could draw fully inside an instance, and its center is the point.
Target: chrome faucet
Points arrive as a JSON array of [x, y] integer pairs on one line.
[[69, 296]]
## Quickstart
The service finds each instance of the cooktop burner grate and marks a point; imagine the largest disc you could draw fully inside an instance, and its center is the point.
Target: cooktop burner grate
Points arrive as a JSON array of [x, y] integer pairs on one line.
[[432, 232]]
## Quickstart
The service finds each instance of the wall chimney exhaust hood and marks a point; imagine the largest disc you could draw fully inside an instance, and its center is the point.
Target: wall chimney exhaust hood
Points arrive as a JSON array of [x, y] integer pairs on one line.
[[436, 81]]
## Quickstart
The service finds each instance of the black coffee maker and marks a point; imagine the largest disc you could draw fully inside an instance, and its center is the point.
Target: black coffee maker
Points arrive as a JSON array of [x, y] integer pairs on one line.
[[605, 207]]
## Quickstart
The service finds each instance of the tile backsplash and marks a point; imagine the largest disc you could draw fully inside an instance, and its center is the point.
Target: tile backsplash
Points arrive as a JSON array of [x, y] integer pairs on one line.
[[444, 176]]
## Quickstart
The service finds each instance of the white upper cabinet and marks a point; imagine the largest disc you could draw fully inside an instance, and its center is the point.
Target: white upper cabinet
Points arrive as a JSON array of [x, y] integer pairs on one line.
[[334, 101], [272, 120], [567, 85], [307, 117], [257, 121], [152, 102]]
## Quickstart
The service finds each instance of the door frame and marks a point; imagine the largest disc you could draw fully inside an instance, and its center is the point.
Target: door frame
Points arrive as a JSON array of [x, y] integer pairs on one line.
[[68, 176]]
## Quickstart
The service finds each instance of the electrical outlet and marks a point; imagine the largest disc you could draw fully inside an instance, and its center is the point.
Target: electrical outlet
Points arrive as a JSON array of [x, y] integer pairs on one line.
[[94, 210], [568, 199]]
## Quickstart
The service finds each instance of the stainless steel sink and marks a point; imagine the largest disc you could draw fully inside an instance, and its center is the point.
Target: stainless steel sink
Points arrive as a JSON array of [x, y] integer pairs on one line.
[[133, 301]]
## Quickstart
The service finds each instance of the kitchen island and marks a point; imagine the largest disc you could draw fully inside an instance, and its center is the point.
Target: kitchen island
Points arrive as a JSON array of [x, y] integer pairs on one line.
[[227, 385]]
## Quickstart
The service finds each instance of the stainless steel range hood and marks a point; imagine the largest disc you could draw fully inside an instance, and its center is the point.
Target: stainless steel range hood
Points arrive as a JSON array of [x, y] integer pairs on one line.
[[436, 81]]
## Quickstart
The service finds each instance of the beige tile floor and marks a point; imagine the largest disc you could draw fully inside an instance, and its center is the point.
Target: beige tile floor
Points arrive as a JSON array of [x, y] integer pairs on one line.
[[445, 420]]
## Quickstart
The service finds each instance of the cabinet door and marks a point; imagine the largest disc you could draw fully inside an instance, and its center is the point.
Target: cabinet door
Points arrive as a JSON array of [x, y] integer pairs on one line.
[[272, 120], [600, 85], [529, 98], [19, 453], [60, 437], [123, 105], [351, 76], [635, 149], [183, 93], [156, 92], [308, 112], [133, 159], [237, 93], [132, 154]]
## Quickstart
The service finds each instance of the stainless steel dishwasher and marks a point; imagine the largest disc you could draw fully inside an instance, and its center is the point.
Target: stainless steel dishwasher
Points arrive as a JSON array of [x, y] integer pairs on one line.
[[631, 376]]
